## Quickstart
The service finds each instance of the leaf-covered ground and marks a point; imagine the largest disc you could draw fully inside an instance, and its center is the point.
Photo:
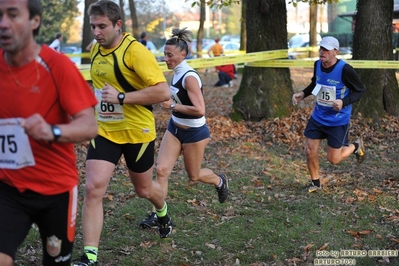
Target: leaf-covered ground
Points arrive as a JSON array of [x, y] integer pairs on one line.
[[373, 178], [267, 169], [381, 138]]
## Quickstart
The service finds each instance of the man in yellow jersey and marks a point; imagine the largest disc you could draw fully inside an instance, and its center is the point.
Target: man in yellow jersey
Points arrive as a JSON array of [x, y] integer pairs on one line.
[[127, 81]]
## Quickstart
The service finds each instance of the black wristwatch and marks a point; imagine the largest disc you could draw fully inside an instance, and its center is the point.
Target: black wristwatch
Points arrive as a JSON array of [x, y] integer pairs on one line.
[[56, 132], [121, 98]]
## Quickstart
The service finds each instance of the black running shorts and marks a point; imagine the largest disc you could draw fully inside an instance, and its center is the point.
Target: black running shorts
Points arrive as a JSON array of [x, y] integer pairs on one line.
[[139, 157], [54, 215]]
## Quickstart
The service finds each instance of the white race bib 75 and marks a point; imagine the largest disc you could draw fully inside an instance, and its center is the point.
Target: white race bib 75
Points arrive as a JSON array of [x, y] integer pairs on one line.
[[15, 149]]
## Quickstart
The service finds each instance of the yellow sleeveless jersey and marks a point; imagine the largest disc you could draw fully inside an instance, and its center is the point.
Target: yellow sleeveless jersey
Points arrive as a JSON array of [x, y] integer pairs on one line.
[[127, 67]]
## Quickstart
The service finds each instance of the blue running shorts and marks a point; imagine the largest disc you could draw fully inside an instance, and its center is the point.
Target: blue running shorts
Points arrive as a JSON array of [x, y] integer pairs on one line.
[[336, 136], [189, 135]]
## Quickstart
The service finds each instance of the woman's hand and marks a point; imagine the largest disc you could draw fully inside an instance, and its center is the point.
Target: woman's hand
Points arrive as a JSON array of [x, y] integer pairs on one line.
[[167, 104]]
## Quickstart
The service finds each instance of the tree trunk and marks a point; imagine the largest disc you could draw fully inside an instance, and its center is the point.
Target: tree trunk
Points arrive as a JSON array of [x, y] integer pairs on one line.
[[121, 6], [243, 32], [264, 92], [332, 15], [373, 41], [200, 33], [87, 34], [313, 29], [135, 23]]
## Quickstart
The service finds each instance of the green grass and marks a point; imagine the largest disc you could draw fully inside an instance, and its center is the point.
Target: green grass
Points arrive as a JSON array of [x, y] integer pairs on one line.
[[267, 219]]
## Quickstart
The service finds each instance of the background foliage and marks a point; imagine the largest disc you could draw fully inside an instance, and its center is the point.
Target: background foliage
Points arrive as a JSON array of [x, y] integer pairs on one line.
[[58, 16]]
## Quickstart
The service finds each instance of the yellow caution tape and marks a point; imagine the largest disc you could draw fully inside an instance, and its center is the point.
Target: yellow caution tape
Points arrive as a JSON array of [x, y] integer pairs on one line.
[[258, 59], [82, 55], [213, 61], [285, 63], [85, 71], [374, 64]]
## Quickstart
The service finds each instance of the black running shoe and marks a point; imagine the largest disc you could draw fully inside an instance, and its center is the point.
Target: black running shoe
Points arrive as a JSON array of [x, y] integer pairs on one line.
[[165, 226], [84, 261], [150, 222], [223, 191], [312, 188], [360, 154]]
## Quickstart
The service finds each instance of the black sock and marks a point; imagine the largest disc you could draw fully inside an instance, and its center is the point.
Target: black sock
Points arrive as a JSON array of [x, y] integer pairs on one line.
[[356, 147], [316, 182]]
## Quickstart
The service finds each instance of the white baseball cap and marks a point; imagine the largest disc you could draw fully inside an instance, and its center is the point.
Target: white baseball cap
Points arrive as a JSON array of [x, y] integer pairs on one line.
[[329, 43]]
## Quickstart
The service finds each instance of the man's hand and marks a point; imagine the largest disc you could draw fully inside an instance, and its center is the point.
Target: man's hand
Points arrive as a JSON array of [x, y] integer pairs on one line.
[[297, 97], [36, 127], [109, 94], [337, 105]]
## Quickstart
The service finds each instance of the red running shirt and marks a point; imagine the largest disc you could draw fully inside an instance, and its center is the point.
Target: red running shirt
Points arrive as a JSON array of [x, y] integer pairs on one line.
[[53, 87]]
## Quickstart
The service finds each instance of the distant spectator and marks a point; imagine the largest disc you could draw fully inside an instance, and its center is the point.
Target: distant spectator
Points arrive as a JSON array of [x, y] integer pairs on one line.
[[143, 39], [88, 47], [56, 44], [190, 51], [226, 75], [216, 49]]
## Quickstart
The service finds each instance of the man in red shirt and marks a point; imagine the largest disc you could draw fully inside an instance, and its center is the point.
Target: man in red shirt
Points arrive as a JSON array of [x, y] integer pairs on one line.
[[226, 75], [46, 105]]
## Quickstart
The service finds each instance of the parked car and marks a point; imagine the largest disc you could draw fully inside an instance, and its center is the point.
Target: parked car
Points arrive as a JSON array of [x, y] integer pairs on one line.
[[299, 44], [299, 48], [70, 51], [299, 51], [193, 45], [228, 48], [345, 53], [159, 54], [205, 42], [151, 46], [230, 38]]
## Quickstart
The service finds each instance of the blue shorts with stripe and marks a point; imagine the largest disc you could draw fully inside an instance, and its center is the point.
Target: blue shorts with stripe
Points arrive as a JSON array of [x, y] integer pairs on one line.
[[189, 135]]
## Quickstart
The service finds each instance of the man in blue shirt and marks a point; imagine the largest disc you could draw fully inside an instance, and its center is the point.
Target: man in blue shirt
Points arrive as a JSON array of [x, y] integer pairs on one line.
[[336, 86]]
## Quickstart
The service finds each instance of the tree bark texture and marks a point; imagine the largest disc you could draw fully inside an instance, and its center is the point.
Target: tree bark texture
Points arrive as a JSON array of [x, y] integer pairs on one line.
[[87, 34], [121, 6], [243, 32], [313, 28], [264, 92], [200, 33], [135, 21], [373, 41]]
